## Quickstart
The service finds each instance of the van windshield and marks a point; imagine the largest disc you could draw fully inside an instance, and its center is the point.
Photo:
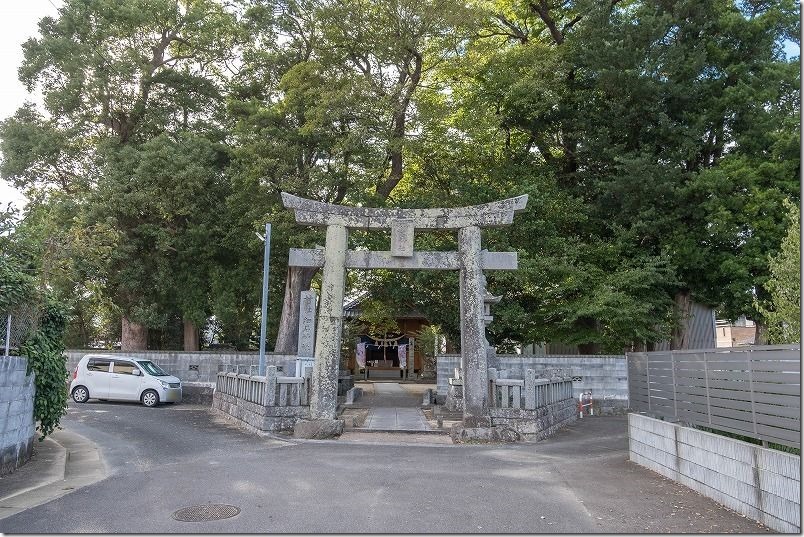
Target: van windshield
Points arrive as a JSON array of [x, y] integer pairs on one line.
[[151, 368]]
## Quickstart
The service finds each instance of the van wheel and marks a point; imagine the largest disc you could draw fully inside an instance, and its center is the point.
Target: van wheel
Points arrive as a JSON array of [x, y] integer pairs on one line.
[[80, 394], [150, 398]]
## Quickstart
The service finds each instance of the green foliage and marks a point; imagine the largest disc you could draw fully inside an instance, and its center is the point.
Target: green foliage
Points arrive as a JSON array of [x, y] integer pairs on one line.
[[16, 287], [378, 317], [428, 341], [657, 142], [783, 312], [45, 352]]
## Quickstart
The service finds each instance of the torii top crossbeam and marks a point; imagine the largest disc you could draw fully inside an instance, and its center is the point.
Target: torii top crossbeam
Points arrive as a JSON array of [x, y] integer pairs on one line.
[[316, 213]]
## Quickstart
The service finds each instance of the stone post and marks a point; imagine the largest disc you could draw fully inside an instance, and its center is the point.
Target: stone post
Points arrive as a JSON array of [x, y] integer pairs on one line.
[[306, 348], [324, 396], [473, 329]]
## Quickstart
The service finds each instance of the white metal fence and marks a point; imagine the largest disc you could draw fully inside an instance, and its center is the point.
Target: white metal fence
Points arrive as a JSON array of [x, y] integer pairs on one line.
[[752, 391]]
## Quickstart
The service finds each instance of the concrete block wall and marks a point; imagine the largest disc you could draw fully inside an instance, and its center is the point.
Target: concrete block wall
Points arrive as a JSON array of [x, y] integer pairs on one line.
[[760, 483], [208, 363], [17, 427], [606, 376]]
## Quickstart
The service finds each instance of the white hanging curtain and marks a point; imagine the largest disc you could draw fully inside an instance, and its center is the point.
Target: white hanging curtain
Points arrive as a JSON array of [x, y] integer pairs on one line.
[[402, 352], [360, 355]]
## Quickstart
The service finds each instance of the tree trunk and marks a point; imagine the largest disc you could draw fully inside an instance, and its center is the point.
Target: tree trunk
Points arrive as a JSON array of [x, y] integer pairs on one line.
[[395, 156], [298, 280], [191, 335], [134, 336], [586, 324], [408, 82], [588, 348], [761, 334], [680, 338]]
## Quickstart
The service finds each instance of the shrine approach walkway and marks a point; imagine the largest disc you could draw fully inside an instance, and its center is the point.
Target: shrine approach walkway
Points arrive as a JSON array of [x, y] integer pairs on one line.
[[393, 408]]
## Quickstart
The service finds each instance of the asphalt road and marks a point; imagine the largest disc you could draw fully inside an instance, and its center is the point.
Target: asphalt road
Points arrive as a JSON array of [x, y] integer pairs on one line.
[[164, 459]]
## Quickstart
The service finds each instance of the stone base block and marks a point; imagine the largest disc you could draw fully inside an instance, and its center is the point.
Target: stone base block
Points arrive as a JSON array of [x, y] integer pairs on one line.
[[454, 402], [353, 394], [258, 417], [536, 424], [345, 383], [427, 397], [318, 429], [197, 393], [500, 434]]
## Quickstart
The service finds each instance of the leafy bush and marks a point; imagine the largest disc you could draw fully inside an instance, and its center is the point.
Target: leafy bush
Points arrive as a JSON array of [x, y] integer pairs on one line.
[[45, 352]]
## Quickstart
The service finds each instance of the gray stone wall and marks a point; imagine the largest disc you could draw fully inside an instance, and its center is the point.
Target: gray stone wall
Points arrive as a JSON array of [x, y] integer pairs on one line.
[[763, 484], [537, 424], [17, 428], [259, 418], [199, 367], [606, 376]]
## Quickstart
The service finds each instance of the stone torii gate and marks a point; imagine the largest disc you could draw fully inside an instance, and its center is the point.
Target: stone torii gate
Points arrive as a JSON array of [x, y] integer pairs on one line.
[[470, 260]]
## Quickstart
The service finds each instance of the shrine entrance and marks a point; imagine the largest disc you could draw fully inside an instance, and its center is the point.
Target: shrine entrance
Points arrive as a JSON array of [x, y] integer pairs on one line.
[[385, 357], [470, 260]]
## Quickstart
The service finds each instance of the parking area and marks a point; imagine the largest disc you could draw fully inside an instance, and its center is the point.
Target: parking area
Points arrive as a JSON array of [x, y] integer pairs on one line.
[[160, 460]]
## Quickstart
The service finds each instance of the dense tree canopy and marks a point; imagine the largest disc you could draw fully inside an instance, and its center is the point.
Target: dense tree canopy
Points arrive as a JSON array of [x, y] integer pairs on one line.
[[658, 142]]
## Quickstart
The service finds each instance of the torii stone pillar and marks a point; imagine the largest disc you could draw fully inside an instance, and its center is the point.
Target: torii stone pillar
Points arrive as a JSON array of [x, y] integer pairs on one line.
[[473, 329], [324, 391], [470, 260]]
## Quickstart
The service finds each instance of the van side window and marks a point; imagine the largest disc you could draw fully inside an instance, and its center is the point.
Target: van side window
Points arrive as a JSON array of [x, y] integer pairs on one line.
[[96, 364], [123, 368]]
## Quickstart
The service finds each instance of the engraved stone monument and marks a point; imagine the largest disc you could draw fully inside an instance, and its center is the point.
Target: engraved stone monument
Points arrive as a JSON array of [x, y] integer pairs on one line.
[[306, 352]]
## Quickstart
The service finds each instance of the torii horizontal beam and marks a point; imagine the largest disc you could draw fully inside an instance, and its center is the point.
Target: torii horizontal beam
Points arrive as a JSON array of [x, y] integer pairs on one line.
[[362, 259], [316, 213]]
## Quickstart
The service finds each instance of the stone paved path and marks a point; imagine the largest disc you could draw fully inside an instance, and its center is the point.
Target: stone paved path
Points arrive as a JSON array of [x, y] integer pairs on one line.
[[396, 419], [394, 409]]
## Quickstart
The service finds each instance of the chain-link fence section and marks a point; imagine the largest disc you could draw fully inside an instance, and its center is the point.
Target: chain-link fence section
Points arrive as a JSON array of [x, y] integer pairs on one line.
[[15, 326]]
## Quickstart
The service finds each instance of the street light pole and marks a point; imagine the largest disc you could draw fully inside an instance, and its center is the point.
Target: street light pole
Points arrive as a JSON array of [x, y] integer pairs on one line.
[[264, 316]]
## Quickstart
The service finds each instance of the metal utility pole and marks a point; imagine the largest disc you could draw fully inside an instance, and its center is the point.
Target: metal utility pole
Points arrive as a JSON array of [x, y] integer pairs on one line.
[[264, 316]]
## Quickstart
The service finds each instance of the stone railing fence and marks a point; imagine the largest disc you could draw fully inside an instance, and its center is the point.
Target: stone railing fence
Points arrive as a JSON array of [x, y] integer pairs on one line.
[[270, 390], [529, 393], [605, 376]]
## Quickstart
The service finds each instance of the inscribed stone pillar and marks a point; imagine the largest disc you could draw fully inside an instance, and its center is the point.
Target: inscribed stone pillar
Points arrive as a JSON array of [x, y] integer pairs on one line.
[[324, 396], [307, 305], [473, 329]]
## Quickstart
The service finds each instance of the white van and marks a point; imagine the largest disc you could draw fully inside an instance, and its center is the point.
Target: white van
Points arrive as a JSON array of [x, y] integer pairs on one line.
[[123, 378]]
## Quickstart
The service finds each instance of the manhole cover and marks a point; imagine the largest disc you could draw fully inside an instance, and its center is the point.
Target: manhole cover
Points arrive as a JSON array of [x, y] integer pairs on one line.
[[201, 513]]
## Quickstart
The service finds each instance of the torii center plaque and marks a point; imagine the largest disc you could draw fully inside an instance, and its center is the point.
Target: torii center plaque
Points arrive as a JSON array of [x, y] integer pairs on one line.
[[470, 260]]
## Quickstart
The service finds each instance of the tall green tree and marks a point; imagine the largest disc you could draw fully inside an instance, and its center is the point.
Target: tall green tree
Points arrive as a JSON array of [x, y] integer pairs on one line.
[[327, 111], [783, 311], [116, 76], [659, 118]]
